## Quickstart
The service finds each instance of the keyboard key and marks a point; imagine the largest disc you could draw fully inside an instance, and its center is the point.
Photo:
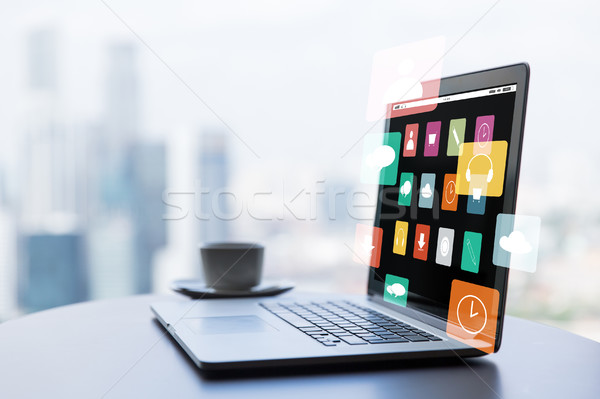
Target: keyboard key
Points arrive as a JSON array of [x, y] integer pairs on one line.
[[352, 340], [415, 338]]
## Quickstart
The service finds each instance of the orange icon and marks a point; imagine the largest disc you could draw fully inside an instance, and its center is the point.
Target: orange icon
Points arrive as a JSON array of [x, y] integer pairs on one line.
[[450, 197], [473, 314]]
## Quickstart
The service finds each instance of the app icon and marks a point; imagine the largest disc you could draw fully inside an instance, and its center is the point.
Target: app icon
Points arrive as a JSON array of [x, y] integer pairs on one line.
[[443, 255], [380, 158], [432, 139], [427, 190], [476, 206], [450, 197], [402, 73], [516, 242], [400, 237], [484, 131], [481, 174], [411, 134], [395, 290], [456, 136], [405, 193], [473, 315], [421, 242], [471, 252], [367, 245]]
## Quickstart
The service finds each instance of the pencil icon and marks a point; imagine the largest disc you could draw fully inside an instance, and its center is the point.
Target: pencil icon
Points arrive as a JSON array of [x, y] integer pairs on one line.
[[471, 252], [455, 136]]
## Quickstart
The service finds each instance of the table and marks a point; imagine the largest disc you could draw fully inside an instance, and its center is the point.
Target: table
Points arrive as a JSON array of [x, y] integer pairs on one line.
[[115, 349]]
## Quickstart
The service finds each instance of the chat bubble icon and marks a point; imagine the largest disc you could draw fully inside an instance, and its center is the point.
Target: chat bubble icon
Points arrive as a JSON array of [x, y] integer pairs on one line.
[[381, 157], [396, 289]]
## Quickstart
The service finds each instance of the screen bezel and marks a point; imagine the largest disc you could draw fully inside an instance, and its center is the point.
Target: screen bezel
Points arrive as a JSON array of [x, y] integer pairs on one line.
[[519, 74]]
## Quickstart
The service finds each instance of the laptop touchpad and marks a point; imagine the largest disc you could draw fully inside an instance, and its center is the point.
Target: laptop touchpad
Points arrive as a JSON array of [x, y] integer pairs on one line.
[[228, 325]]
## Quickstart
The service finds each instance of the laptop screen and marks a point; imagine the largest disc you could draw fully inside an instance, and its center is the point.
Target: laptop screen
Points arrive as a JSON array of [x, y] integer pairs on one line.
[[455, 175]]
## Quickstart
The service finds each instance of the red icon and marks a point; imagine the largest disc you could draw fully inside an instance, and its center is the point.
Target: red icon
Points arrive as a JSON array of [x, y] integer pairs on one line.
[[472, 315], [421, 242], [367, 245], [410, 140], [450, 197]]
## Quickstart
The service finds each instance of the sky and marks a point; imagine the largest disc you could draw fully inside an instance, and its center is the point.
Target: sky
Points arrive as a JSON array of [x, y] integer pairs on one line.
[[290, 81]]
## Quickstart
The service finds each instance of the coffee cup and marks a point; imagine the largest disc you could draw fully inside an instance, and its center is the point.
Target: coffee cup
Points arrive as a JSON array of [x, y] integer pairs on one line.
[[232, 266]]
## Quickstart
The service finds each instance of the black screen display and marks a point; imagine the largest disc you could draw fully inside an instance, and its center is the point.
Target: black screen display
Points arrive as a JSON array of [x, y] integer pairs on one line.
[[467, 256]]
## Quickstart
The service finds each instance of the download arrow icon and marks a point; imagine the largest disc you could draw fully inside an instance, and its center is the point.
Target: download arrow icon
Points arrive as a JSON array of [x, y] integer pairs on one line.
[[421, 241]]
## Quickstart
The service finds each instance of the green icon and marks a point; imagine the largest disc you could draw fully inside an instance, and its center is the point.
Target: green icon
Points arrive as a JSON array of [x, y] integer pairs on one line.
[[456, 136], [471, 252], [406, 185], [395, 290], [380, 158]]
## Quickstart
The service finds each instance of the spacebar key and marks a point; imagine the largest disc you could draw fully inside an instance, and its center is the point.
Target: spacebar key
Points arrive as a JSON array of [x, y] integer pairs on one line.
[[295, 320], [352, 340]]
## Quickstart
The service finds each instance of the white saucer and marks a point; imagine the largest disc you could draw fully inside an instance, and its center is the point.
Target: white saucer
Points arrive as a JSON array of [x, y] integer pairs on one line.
[[198, 290]]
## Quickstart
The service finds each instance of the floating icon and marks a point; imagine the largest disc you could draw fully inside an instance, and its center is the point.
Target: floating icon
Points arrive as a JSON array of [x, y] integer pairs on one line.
[[481, 174], [516, 241], [367, 245], [473, 314], [380, 158]]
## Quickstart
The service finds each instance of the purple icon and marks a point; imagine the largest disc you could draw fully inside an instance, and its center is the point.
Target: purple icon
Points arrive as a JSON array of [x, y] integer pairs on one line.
[[484, 131], [432, 139]]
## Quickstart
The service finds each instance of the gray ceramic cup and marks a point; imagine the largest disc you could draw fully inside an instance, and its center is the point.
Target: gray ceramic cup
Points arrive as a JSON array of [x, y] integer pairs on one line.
[[231, 265]]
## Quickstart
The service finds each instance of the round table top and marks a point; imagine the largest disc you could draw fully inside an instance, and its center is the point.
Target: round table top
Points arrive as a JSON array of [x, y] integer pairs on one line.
[[116, 349]]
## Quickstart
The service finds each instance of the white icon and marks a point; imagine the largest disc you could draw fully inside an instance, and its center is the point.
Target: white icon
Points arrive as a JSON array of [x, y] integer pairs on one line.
[[396, 289], [478, 190], [405, 189], [456, 137], [367, 245], [474, 302], [405, 88], [421, 241], [516, 242], [483, 134], [451, 191], [431, 137], [445, 247], [381, 157], [426, 191], [400, 229], [410, 145]]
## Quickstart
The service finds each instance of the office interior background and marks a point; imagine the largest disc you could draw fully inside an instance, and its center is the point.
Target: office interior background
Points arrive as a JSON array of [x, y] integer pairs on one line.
[[132, 131]]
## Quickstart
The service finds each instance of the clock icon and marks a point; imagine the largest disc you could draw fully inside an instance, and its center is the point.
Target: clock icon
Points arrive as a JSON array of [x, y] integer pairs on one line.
[[483, 135], [471, 314], [450, 192]]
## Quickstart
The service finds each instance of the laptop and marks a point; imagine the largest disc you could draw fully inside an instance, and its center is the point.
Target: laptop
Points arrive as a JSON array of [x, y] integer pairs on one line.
[[433, 290]]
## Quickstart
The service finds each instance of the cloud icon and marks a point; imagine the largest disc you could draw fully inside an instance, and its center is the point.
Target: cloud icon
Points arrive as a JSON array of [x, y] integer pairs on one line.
[[396, 289], [405, 189], [515, 243], [381, 157], [426, 191]]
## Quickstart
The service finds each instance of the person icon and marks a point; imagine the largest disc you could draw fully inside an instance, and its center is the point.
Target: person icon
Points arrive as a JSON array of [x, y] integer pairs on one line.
[[410, 144]]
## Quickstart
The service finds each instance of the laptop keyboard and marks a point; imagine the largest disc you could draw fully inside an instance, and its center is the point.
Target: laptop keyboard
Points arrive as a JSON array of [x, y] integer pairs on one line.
[[333, 323]]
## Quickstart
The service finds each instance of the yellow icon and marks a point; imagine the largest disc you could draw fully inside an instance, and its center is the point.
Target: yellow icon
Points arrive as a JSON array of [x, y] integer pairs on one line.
[[479, 174], [400, 237]]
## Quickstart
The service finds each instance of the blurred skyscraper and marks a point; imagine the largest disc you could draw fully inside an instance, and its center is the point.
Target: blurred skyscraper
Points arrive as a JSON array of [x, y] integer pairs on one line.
[[53, 267], [126, 183], [213, 203]]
